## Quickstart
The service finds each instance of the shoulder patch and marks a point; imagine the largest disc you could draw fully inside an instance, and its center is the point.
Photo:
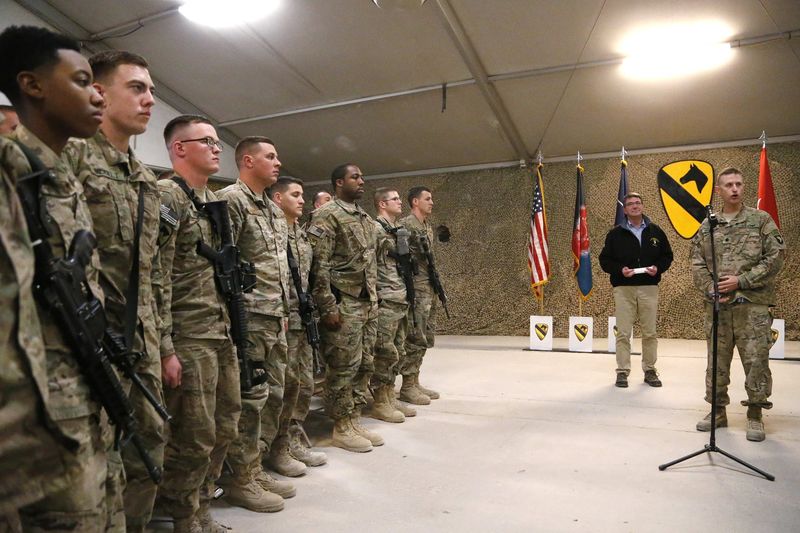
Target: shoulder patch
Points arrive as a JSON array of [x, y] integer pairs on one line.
[[169, 216], [316, 231], [778, 237]]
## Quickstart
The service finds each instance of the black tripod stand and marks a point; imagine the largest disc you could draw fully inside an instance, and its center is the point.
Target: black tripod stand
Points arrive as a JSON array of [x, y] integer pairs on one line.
[[712, 442]]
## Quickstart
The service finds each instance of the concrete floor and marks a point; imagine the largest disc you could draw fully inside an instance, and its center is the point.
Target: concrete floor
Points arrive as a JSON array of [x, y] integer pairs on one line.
[[543, 441]]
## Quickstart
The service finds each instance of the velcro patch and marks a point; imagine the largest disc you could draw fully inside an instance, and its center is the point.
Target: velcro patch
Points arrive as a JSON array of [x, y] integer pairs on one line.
[[316, 231], [169, 216]]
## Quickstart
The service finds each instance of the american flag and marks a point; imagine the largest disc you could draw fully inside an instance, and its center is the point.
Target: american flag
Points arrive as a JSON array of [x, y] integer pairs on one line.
[[538, 255]]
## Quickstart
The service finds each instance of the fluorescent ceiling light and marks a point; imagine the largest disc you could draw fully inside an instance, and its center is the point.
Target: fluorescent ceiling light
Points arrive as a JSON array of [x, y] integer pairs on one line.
[[676, 51], [226, 13]]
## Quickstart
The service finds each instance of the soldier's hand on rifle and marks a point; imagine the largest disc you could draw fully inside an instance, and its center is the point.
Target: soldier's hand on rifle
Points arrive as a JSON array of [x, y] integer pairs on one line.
[[171, 371], [332, 321]]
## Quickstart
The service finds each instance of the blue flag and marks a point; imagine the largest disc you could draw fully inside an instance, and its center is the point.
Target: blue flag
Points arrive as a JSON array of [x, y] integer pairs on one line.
[[623, 190]]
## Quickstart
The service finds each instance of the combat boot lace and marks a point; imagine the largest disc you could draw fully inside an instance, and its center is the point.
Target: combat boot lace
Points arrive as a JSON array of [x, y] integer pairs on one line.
[[300, 447], [432, 394], [244, 491], [410, 393], [400, 406], [186, 525], [383, 409], [283, 489], [722, 420], [345, 437], [282, 462], [207, 522], [651, 378], [371, 436], [755, 430]]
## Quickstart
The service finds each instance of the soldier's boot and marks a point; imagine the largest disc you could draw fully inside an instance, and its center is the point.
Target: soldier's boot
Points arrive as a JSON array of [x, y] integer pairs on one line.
[[383, 409], [345, 437], [186, 525], [400, 406], [410, 393], [371, 436], [242, 490], [722, 420], [755, 424], [281, 461], [207, 522], [284, 489], [432, 394], [300, 447]]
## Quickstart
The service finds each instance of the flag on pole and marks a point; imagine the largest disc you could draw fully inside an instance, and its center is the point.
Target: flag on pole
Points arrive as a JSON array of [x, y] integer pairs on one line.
[[538, 254], [619, 218], [766, 194], [582, 264]]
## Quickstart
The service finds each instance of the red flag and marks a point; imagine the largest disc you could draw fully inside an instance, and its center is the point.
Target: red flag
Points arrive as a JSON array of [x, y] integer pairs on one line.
[[582, 263], [766, 194], [538, 254]]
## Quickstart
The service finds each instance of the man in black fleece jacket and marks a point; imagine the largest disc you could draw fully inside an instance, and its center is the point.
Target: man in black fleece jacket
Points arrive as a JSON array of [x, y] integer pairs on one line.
[[636, 254]]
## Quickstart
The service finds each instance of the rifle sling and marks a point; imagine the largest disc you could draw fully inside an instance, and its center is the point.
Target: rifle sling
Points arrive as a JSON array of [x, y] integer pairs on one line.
[[132, 294]]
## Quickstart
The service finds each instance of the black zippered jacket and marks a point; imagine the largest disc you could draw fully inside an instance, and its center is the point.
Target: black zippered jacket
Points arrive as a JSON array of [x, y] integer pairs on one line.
[[622, 249]]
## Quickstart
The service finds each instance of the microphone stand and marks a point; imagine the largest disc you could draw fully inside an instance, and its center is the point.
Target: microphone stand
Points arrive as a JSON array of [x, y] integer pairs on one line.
[[712, 443]]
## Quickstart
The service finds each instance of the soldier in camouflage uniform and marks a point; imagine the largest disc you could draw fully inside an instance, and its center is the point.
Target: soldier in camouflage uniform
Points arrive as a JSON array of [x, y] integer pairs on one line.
[[392, 310], [422, 335], [345, 273], [287, 193], [114, 179], [50, 85], [750, 253], [259, 231], [199, 367]]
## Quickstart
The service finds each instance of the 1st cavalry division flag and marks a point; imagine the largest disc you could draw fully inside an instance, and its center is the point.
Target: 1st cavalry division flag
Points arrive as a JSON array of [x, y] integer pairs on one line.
[[685, 188]]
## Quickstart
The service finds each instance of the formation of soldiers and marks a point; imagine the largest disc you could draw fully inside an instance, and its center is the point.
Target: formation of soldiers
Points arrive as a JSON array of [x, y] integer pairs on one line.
[[206, 304]]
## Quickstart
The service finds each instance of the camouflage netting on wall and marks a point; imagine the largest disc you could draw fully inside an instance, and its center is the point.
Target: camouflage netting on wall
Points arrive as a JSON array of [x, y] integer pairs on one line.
[[484, 265]]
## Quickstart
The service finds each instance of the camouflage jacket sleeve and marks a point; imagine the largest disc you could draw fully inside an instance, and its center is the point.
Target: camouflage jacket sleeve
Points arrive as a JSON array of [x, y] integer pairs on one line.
[[701, 270], [167, 237], [323, 240], [772, 256]]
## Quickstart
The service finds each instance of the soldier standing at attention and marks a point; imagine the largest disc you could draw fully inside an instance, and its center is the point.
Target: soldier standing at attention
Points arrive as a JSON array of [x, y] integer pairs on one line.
[[422, 335], [114, 182], [259, 231], [344, 272], [392, 309], [750, 253], [287, 193], [50, 85], [199, 367]]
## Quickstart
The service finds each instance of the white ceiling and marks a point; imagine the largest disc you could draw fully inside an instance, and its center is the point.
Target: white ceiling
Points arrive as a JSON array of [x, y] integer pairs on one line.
[[316, 52]]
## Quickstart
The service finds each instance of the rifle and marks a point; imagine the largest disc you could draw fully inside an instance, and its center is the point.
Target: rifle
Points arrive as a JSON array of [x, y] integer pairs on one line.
[[234, 278], [306, 310], [407, 267], [433, 275], [61, 286]]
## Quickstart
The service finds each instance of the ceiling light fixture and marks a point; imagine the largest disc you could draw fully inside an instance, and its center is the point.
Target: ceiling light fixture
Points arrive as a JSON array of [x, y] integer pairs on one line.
[[670, 52], [227, 13]]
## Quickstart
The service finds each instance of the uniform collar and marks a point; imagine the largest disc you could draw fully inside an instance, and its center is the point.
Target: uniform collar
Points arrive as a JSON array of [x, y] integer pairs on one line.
[[48, 157], [130, 163], [353, 209], [259, 200]]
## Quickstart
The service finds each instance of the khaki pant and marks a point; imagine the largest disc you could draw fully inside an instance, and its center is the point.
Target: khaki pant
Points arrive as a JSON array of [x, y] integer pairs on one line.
[[389, 345], [300, 355], [746, 326], [421, 331], [630, 302]]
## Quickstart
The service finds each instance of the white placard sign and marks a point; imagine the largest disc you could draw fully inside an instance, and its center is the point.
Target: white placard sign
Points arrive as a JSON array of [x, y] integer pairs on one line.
[[777, 330], [612, 334], [541, 333], [580, 333]]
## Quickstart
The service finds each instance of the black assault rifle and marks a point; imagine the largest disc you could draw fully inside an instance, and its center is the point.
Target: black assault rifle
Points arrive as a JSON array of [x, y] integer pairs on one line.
[[234, 278], [61, 287], [433, 275], [306, 310], [407, 266]]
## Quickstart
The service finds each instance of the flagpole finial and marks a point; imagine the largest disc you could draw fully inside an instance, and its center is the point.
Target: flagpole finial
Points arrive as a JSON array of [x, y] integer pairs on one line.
[[623, 153], [580, 157], [539, 158], [763, 139]]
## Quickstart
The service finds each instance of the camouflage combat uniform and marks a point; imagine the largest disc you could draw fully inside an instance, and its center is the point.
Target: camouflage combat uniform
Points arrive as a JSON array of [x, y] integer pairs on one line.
[[421, 335], [259, 231], [81, 506], [34, 454], [751, 247], [300, 375], [345, 274], [392, 309], [111, 182], [206, 407]]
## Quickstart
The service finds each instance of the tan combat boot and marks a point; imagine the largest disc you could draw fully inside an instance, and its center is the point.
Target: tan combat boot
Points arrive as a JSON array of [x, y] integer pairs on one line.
[[721, 421], [207, 522], [186, 525], [432, 394], [284, 489], [755, 424], [383, 409], [300, 446], [242, 490], [345, 437], [371, 436], [282, 462], [400, 406], [411, 394]]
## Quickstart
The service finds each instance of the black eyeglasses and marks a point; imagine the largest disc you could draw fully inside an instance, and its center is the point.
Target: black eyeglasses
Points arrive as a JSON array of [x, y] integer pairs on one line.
[[210, 141]]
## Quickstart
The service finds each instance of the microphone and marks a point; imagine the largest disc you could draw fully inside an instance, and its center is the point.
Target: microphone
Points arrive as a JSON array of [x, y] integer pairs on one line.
[[712, 216]]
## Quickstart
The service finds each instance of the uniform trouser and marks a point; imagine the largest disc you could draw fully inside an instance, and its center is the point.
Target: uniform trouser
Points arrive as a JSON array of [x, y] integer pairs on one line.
[[630, 302], [205, 411], [391, 336], [421, 331], [261, 405], [748, 327], [300, 355], [349, 357]]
